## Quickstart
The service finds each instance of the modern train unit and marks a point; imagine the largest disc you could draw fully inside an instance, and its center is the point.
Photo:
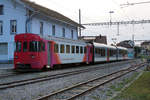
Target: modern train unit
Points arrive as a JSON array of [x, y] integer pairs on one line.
[[36, 52]]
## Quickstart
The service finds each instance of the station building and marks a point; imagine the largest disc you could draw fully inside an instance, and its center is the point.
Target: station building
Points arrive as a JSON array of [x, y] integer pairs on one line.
[[97, 39], [24, 16]]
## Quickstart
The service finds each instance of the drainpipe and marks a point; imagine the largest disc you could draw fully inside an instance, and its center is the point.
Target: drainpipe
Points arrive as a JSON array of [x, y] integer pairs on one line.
[[27, 26]]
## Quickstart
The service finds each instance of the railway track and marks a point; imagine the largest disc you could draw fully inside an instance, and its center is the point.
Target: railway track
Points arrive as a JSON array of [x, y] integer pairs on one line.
[[45, 78], [73, 92], [9, 74]]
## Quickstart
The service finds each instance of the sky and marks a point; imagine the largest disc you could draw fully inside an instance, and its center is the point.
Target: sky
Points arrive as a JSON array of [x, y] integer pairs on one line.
[[93, 11]]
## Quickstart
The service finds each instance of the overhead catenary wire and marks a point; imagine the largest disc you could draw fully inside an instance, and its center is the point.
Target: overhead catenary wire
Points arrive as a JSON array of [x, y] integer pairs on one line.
[[131, 4]]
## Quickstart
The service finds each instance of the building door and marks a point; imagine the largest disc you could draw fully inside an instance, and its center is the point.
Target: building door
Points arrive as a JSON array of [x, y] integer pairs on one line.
[[3, 49]]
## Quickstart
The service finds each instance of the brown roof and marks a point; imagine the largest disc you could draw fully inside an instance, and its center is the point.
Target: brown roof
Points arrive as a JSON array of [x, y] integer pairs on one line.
[[125, 44], [50, 13], [97, 39], [145, 43]]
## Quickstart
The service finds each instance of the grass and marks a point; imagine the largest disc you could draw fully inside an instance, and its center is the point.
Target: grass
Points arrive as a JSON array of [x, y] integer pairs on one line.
[[139, 90], [119, 86], [96, 98]]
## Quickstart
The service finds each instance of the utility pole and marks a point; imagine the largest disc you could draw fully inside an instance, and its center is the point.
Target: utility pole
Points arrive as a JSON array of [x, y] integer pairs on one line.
[[118, 29], [79, 22], [133, 45]]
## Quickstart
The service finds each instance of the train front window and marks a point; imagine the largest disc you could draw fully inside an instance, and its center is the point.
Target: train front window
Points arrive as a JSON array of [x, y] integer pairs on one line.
[[25, 49], [35, 46], [18, 46]]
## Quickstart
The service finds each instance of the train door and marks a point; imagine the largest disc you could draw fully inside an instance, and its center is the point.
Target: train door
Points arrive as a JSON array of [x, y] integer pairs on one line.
[[108, 55], [90, 54], [48, 54]]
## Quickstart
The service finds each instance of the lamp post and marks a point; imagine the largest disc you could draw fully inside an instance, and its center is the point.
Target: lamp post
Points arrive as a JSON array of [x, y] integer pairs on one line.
[[114, 41], [110, 12]]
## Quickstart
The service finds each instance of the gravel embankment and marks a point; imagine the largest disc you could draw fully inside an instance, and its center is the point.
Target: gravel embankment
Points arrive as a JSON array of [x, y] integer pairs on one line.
[[6, 66], [32, 91], [110, 90]]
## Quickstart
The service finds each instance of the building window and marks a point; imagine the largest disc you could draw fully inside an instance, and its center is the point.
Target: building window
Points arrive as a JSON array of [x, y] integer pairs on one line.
[[53, 30], [63, 31], [1, 27], [1, 10], [41, 28], [72, 34], [13, 26]]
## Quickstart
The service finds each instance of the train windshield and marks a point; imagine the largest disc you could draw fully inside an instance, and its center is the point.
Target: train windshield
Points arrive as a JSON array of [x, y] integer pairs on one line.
[[35, 46], [18, 47]]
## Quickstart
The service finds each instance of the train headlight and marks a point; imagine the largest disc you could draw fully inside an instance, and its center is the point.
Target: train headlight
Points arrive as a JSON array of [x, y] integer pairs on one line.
[[16, 57], [32, 56]]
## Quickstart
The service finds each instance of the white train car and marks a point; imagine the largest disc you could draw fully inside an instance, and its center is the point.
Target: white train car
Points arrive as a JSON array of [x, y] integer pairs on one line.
[[122, 53], [100, 52], [67, 51], [104, 52], [112, 53]]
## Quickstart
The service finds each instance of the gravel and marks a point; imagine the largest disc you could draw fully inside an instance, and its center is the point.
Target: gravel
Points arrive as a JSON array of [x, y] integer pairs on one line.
[[6, 66], [32, 91], [107, 92], [24, 76]]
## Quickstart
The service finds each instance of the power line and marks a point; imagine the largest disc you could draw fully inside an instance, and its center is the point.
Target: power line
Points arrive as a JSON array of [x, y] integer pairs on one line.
[[131, 4], [116, 23]]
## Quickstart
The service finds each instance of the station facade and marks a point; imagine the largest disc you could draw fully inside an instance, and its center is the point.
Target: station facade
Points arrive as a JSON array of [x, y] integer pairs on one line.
[[24, 16]]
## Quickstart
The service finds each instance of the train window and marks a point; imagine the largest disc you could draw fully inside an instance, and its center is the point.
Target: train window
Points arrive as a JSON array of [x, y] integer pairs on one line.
[[91, 50], [43, 46], [18, 46], [96, 50], [85, 50], [112, 52], [77, 49], [35, 46], [81, 50], [39, 46], [73, 49], [67, 48], [103, 52], [120, 52], [62, 48], [25, 45], [56, 48]]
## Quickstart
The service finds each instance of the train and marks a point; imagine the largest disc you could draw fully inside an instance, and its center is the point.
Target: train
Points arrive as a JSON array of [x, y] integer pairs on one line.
[[38, 52]]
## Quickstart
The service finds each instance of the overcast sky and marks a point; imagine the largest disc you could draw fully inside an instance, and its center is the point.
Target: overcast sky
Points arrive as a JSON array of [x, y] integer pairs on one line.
[[98, 11]]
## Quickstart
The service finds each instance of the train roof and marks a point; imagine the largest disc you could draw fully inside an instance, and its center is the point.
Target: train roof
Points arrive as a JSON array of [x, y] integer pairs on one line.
[[27, 36], [31, 36], [61, 39], [123, 48], [103, 45]]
